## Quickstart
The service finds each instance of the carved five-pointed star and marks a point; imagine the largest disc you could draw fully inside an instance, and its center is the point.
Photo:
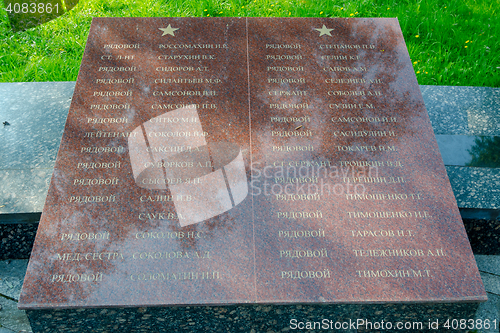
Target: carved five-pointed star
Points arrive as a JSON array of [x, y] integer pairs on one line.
[[324, 31], [168, 30]]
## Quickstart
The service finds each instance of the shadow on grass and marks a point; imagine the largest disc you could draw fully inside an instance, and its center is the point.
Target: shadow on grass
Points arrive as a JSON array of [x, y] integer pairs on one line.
[[26, 14]]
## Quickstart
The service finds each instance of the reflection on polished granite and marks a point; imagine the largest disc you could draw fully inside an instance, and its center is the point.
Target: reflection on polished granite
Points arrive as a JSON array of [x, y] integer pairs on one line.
[[36, 113], [470, 151]]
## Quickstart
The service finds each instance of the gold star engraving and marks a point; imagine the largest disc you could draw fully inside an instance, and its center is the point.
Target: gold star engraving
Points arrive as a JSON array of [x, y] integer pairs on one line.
[[324, 31], [168, 30]]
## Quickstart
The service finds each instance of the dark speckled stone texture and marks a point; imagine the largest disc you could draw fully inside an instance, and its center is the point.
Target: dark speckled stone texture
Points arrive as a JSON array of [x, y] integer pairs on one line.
[[301, 168], [484, 235], [475, 187], [254, 318], [16, 240]]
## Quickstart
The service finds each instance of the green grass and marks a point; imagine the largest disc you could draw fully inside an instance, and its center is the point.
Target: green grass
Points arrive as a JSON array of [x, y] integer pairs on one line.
[[451, 42]]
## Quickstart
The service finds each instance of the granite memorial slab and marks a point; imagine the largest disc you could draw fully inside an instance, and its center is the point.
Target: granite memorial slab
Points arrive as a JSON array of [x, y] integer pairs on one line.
[[246, 173]]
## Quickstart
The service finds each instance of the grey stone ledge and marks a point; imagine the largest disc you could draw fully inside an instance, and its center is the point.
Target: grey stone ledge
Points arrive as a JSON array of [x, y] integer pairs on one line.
[[463, 110]]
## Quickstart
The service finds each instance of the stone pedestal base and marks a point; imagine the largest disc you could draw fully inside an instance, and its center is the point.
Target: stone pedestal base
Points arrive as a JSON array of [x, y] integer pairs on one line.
[[257, 318]]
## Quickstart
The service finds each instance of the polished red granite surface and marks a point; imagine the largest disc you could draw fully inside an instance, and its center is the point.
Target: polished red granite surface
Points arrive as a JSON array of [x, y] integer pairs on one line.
[[243, 160]]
